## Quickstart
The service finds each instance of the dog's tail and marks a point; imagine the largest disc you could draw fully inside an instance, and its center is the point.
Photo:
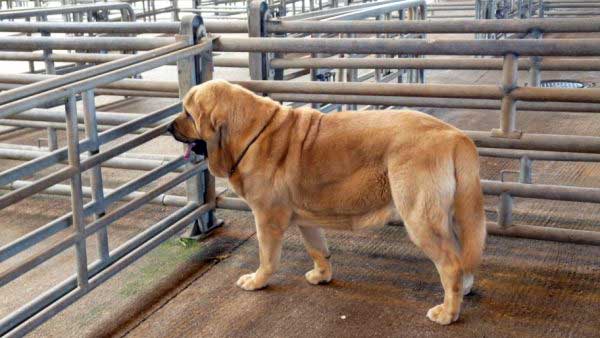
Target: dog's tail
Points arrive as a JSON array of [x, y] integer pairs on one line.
[[468, 204]]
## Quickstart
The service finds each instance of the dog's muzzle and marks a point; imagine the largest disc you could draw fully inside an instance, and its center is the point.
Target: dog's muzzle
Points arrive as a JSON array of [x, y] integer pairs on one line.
[[197, 146]]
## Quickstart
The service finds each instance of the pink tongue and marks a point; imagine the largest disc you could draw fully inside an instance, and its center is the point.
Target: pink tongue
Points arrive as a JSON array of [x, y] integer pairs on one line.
[[188, 151]]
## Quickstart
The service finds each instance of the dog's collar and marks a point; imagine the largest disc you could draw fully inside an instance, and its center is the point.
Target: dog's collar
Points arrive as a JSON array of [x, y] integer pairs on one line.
[[235, 165]]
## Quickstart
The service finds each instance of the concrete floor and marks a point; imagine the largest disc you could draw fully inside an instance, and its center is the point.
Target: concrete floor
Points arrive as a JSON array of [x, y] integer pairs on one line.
[[382, 284]]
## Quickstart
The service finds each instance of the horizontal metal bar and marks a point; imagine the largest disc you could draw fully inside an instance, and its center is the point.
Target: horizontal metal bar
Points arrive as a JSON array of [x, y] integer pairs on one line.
[[39, 185], [379, 89], [335, 10], [124, 84], [61, 57], [542, 191], [377, 10], [65, 190], [421, 63], [103, 79], [231, 62], [91, 27], [539, 155], [87, 43], [591, 95], [116, 162], [545, 142], [35, 12], [56, 82], [546, 233], [436, 102], [437, 27], [556, 47], [232, 203], [138, 140], [58, 115]]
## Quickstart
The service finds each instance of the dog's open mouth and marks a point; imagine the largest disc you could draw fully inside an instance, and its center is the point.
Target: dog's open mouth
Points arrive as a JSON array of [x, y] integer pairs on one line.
[[198, 147]]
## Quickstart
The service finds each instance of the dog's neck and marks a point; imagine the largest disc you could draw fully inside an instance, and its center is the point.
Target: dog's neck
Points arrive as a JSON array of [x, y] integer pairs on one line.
[[245, 150]]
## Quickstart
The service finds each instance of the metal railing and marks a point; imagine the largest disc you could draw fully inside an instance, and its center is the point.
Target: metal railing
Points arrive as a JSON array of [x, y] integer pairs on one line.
[[503, 97], [192, 54]]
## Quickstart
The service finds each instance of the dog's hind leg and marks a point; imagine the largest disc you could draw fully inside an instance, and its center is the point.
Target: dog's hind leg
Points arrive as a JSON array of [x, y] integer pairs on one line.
[[424, 205], [316, 245], [270, 227]]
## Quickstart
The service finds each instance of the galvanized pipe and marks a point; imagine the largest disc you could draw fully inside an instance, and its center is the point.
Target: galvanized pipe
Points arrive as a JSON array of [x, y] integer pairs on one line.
[[117, 162], [436, 102], [437, 63], [54, 94], [211, 26], [86, 43], [508, 106], [76, 192], [546, 233], [591, 95], [44, 12], [543, 142], [103, 69], [65, 190], [555, 47], [132, 85], [437, 27]]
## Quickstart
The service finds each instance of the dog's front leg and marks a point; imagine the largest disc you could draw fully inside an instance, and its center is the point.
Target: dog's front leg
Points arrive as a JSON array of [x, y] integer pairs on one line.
[[269, 229], [316, 245]]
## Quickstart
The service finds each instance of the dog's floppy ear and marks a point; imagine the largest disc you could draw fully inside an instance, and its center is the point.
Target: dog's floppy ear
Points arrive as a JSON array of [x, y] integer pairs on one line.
[[219, 105]]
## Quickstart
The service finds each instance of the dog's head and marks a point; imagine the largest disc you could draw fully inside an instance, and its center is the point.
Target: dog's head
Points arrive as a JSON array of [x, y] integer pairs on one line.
[[217, 120], [199, 121]]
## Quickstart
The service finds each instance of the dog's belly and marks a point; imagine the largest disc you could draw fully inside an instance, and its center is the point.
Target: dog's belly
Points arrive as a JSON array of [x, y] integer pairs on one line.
[[371, 219]]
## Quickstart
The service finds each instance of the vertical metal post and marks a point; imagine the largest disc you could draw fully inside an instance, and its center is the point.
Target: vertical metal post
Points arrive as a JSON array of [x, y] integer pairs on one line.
[[525, 170], [510, 76], [423, 16], [52, 139], [401, 17], [258, 12], [175, 10], [76, 191], [505, 210], [536, 61], [91, 132], [192, 71], [49, 64], [31, 63]]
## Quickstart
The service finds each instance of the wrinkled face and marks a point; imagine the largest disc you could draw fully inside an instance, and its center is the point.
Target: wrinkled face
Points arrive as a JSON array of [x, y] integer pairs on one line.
[[193, 125]]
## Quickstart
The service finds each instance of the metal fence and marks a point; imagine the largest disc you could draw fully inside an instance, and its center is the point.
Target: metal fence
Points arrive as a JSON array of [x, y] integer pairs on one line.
[[269, 48], [503, 97], [192, 53]]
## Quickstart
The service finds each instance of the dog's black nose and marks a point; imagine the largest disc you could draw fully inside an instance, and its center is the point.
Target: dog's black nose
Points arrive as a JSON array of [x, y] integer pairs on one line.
[[170, 128]]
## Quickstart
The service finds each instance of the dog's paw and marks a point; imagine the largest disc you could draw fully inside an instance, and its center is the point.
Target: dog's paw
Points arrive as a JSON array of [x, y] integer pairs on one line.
[[315, 276], [439, 315], [249, 283], [467, 284]]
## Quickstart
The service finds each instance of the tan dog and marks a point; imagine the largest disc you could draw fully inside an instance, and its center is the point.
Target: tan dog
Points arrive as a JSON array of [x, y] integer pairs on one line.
[[348, 170]]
